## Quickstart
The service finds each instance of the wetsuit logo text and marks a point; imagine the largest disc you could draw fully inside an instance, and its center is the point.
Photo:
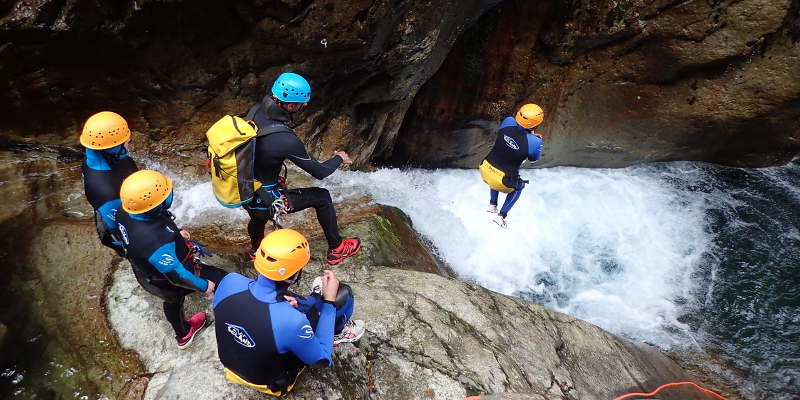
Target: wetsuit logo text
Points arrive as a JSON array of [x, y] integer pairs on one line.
[[124, 233], [240, 335]]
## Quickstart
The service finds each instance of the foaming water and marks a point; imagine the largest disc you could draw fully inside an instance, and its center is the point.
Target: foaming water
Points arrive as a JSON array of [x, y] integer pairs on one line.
[[614, 247], [682, 255], [194, 203]]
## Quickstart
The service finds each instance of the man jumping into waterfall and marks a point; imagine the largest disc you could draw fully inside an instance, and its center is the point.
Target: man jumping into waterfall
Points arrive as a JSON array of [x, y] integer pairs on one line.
[[289, 94], [515, 142]]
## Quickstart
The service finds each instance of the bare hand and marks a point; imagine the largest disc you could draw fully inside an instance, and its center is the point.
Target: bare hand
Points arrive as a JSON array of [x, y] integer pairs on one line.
[[292, 301], [186, 234], [345, 158], [330, 285], [211, 288]]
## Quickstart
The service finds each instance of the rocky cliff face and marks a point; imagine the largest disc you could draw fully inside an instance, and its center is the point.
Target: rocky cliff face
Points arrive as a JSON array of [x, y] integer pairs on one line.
[[621, 82], [173, 67]]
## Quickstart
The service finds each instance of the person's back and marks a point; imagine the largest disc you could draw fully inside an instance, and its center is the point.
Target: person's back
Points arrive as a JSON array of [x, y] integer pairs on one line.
[[248, 342], [162, 256], [276, 143], [514, 143], [106, 164], [265, 335], [273, 149]]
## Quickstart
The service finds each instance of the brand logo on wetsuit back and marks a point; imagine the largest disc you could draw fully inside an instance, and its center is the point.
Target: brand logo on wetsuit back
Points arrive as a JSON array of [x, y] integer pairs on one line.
[[511, 142], [240, 335]]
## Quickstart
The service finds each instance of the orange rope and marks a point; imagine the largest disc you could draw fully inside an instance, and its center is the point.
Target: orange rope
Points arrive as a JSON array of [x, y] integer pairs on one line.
[[711, 392]]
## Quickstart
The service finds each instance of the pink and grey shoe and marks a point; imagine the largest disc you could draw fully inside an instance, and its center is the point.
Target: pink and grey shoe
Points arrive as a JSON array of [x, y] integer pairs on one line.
[[197, 323]]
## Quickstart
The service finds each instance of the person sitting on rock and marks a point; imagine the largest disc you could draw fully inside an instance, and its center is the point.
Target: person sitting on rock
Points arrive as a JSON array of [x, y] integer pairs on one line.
[[266, 335], [290, 93], [163, 256], [106, 164], [515, 142]]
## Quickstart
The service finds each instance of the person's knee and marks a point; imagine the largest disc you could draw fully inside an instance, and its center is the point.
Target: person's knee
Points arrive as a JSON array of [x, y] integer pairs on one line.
[[343, 296], [324, 196]]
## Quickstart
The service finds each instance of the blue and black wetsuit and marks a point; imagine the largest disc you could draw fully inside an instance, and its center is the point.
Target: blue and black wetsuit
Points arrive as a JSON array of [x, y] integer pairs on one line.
[[164, 262], [513, 145], [271, 151], [263, 341], [103, 173]]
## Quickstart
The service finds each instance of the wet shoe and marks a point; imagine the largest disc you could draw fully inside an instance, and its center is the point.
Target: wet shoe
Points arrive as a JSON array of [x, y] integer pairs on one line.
[[500, 220], [197, 323], [492, 209], [316, 286], [353, 330], [347, 248]]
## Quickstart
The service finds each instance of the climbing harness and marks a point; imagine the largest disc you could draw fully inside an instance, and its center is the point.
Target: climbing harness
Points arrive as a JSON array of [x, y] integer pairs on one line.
[[280, 204], [199, 248]]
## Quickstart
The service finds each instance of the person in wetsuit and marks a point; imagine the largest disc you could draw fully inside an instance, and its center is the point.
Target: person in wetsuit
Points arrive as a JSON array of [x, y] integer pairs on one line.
[[515, 142], [289, 94], [106, 164], [267, 335], [163, 256]]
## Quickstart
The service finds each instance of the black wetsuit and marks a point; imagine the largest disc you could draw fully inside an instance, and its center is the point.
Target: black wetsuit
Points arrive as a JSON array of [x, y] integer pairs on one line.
[[271, 151], [103, 173], [265, 341], [164, 262]]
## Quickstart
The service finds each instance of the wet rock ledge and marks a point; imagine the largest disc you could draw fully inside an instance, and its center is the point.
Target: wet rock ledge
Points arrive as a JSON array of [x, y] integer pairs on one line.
[[428, 337]]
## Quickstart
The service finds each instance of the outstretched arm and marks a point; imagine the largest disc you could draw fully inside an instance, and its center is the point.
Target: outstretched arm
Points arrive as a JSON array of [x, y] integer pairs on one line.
[[320, 170]]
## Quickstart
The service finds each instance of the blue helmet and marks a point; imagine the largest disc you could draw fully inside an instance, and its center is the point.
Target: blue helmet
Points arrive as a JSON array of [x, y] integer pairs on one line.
[[291, 88]]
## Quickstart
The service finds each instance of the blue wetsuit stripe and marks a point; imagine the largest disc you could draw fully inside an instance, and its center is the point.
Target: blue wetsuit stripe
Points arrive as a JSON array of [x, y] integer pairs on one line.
[[309, 347], [534, 147], [108, 212], [165, 260], [511, 198], [229, 286]]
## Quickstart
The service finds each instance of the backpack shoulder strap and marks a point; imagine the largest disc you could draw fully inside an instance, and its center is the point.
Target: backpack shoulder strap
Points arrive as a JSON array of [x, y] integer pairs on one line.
[[252, 112], [267, 129], [273, 128]]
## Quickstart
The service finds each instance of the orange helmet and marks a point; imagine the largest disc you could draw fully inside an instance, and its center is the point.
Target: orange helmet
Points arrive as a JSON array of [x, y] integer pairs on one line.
[[281, 254], [529, 116], [105, 130], [143, 190]]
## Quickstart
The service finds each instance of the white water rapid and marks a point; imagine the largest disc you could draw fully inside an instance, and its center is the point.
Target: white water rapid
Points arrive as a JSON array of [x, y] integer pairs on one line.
[[614, 247]]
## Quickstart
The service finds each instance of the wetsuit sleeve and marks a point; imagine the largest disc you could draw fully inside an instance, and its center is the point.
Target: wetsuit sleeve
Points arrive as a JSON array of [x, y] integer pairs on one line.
[[312, 346], [299, 155], [534, 147], [166, 261], [108, 212]]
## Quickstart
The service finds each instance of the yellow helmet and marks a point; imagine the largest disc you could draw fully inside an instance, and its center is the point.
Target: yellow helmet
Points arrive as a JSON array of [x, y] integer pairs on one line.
[[529, 116], [105, 130], [143, 190], [281, 254]]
